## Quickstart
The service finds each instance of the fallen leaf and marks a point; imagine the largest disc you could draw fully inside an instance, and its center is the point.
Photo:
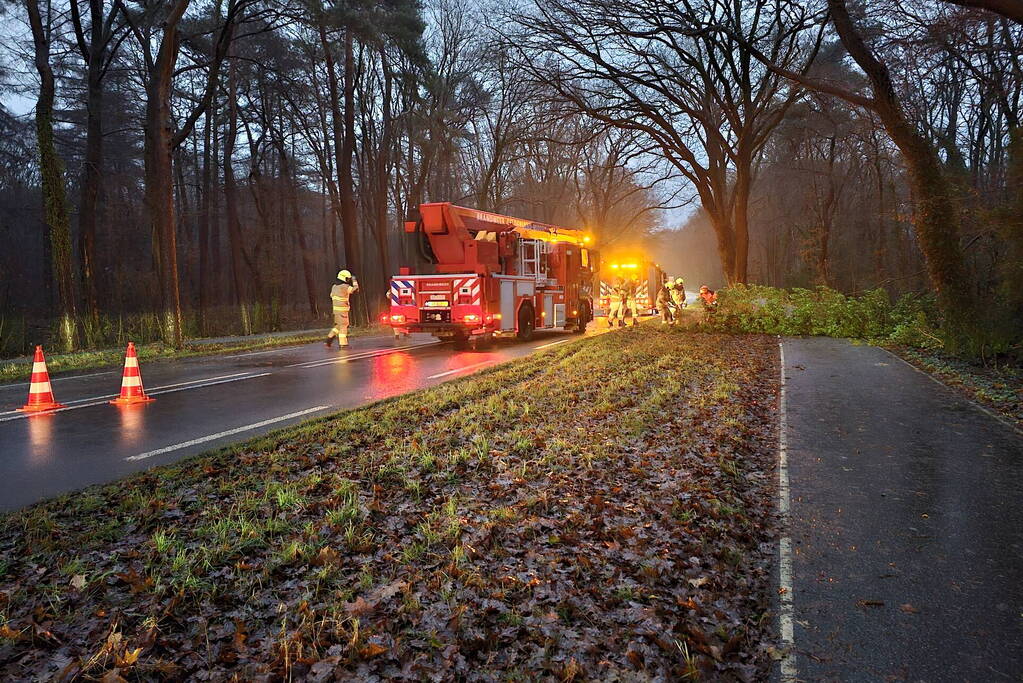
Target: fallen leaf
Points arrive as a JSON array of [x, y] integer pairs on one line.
[[9, 633], [359, 607], [908, 609], [696, 583], [870, 603], [128, 658], [326, 556], [78, 581], [372, 650]]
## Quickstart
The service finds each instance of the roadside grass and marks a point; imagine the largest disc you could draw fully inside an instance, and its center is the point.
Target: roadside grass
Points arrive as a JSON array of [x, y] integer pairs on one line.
[[13, 370], [598, 510]]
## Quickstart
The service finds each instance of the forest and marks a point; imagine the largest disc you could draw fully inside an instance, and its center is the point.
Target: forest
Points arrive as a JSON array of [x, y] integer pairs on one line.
[[182, 168]]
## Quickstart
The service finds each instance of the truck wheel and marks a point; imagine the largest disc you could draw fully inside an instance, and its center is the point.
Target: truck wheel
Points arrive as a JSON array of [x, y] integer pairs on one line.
[[526, 323], [461, 341], [584, 319]]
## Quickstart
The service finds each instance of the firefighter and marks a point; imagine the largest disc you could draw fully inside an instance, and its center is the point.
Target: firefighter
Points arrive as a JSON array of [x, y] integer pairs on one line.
[[614, 301], [664, 303], [678, 297], [629, 303], [340, 295], [709, 298]]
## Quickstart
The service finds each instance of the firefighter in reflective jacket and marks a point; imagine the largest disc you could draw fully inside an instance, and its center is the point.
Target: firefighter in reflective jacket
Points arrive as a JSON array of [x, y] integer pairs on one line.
[[615, 299], [678, 297], [340, 295], [631, 289], [664, 303]]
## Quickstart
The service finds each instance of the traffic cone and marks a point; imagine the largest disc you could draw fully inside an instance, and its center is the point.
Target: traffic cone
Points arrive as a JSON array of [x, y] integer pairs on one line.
[[40, 394], [131, 381]]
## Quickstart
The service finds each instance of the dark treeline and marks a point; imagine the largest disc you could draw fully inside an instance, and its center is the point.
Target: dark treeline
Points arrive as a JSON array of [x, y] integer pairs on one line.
[[209, 166], [214, 165]]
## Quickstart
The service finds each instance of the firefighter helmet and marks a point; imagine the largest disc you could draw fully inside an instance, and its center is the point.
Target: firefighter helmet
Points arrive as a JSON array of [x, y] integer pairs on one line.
[[344, 275]]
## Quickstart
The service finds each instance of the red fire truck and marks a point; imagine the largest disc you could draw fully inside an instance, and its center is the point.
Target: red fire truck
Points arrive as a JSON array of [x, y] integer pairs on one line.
[[648, 275], [493, 276]]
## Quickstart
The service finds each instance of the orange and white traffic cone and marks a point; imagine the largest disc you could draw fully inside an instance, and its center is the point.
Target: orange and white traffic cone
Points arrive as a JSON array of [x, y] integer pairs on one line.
[[131, 381], [40, 393]]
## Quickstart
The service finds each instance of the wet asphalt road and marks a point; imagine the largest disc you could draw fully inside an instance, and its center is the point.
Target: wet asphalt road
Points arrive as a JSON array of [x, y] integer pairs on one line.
[[907, 523], [203, 403]]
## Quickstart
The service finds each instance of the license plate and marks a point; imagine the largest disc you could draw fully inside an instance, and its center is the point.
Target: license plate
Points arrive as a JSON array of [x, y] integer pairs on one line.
[[437, 304]]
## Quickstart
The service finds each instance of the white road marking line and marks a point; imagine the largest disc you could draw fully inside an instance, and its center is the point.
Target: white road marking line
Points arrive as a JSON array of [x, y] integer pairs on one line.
[[61, 379], [544, 346], [166, 389], [341, 359], [357, 356], [1005, 421], [218, 435], [161, 390], [462, 369], [785, 615], [257, 353]]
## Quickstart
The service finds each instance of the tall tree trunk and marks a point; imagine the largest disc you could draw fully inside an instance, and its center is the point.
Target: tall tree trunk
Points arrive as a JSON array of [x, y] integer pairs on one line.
[[234, 232], [92, 172], [204, 222], [337, 132], [159, 173], [51, 169], [296, 220], [740, 222], [937, 201], [159, 200], [383, 172], [216, 240], [346, 183]]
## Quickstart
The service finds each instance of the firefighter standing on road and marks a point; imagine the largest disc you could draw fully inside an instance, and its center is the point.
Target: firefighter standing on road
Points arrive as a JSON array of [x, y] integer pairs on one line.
[[631, 287], [615, 300], [340, 295]]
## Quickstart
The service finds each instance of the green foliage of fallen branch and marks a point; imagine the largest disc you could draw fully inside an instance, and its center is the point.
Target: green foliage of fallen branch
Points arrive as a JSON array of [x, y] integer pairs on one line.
[[910, 321]]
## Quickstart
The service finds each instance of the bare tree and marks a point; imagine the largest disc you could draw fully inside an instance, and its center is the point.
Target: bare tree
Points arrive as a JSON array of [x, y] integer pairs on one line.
[[679, 74]]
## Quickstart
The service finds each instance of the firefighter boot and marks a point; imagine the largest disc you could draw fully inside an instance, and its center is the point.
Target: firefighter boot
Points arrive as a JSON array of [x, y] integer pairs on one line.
[[342, 341], [328, 342]]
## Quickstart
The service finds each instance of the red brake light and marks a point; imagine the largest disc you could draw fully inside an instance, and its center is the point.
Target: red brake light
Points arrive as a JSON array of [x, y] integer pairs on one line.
[[399, 318], [471, 318], [385, 318]]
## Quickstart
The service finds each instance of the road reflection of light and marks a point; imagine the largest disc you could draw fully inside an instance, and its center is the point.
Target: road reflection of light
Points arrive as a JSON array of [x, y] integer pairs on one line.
[[390, 374], [132, 419], [40, 438]]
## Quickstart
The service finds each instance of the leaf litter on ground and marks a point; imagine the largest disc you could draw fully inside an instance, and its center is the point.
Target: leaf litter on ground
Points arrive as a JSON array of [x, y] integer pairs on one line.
[[602, 510]]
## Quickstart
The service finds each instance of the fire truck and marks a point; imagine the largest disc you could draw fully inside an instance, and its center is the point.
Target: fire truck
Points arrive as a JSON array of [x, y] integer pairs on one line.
[[492, 276], [650, 278]]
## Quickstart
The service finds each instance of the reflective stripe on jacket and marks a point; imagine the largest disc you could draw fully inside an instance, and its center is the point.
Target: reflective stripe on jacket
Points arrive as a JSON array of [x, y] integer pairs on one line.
[[339, 295]]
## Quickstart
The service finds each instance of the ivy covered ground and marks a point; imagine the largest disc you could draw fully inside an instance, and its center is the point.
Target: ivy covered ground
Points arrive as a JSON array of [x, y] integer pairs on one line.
[[602, 510], [997, 387]]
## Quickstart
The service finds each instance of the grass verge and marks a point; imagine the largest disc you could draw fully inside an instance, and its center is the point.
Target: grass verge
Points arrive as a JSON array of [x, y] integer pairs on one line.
[[89, 360], [599, 510]]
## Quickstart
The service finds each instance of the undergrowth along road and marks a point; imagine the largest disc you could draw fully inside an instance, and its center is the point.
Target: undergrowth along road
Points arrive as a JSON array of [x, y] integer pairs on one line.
[[13, 370], [602, 509]]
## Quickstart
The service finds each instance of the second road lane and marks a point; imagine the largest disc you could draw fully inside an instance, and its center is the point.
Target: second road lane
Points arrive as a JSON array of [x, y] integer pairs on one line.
[[204, 403]]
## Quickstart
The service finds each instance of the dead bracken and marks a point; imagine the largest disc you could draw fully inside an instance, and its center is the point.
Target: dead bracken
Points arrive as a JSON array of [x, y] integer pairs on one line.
[[601, 510]]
